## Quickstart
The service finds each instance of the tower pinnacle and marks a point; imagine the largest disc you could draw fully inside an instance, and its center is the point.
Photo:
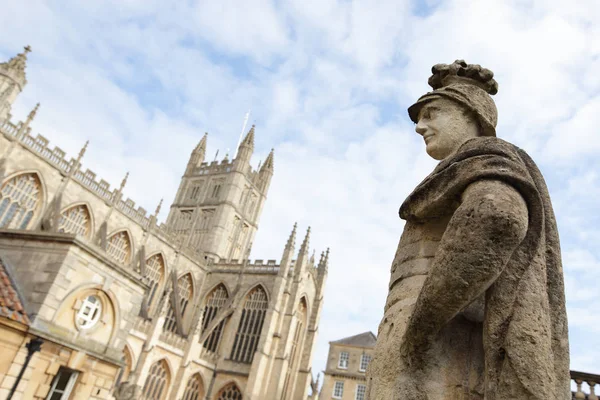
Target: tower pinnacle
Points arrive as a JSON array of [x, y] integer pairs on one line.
[[249, 139], [269, 164]]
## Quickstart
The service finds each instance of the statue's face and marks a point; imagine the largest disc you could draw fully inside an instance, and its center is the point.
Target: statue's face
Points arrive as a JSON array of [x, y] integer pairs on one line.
[[445, 127]]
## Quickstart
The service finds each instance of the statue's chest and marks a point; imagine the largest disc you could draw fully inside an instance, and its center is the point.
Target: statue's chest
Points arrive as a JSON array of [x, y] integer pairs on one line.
[[417, 248]]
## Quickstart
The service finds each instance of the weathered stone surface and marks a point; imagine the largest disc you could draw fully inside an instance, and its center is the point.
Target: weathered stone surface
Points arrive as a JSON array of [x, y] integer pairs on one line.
[[476, 306]]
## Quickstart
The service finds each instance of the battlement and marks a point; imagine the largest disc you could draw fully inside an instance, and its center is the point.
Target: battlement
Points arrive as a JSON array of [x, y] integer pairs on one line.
[[257, 266], [218, 167]]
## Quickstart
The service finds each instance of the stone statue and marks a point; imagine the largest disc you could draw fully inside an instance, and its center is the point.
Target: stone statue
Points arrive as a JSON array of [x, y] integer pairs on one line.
[[476, 305], [127, 391]]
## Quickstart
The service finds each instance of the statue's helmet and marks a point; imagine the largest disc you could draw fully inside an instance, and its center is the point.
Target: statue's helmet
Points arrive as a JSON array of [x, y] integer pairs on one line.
[[467, 84]]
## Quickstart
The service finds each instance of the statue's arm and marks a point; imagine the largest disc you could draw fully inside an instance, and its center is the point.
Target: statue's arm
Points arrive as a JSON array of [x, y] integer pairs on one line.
[[480, 239]]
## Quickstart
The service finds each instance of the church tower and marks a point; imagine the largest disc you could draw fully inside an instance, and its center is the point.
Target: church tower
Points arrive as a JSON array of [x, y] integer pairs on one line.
[[12, 81], [218, 204]]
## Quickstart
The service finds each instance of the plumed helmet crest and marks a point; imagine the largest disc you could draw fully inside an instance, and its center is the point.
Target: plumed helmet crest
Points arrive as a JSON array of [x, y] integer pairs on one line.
[[468, 84]]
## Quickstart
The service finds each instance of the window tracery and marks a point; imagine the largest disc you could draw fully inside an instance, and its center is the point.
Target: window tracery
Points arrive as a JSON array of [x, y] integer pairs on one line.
[[157, 382], [250, 327], [75, 220], [20, 200], [230, 392], [215, 300], [155, 270], [185, 292], [194, 389], [119, 247]]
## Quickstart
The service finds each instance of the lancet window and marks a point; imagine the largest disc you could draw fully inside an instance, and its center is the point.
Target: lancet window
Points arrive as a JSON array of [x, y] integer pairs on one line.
[[215, 300], [194, 191], [155, 270], [119, 247], [185, 293], [157, 382], [20, 201], [194, 389], [230, 392], [216, 191], [251, 323], [75, 220]]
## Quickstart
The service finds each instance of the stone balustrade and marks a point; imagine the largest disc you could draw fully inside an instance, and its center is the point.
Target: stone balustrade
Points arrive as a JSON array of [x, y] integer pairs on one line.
[[585, 385]]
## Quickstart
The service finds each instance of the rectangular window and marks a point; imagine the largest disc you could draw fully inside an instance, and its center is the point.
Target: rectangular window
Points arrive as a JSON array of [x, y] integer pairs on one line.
[[63, 384], [338, 390], [344, 358], [364, 362], [361, 392]]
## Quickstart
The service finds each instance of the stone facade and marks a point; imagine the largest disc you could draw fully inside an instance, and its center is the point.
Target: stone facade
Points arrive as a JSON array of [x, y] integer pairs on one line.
[[131, 308], [347, 362]]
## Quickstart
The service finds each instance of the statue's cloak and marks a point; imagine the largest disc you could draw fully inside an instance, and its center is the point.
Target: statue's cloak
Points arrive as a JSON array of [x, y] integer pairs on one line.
[[525, 323]]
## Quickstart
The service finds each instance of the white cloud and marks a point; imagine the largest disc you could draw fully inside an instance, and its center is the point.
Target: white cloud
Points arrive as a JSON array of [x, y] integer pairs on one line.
[[328, 83]]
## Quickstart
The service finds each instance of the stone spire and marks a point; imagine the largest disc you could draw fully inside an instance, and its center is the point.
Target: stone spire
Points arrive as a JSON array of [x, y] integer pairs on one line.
[[305, 243], [12, 81], [201, 146], [302, 260], [198, 154], [24, 128], [245, 150], [15, 67], [266, 172], [77, 164], [249, 139], [322, 272], [269, 164], [324, 263], [157, 211], [288, 252], [119, 191], [291, 243]]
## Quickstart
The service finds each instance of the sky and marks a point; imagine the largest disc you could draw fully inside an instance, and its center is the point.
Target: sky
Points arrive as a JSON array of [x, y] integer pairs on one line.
[[327, 83]]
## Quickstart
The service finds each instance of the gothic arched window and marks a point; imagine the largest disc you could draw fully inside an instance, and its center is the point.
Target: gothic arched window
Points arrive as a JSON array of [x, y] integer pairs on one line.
[[251, 323], [230, 392], [119, 247], [214, 301], [20, 201], [75, 220], [157, 382], [185, 294], [155, 270], [194, 389]]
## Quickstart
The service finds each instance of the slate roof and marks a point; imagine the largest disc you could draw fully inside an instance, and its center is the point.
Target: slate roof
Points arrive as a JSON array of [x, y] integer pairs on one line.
[[10, 303], [365, 339]]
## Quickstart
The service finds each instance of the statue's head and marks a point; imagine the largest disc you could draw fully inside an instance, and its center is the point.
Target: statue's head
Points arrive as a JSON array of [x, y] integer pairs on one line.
[[459, 108]]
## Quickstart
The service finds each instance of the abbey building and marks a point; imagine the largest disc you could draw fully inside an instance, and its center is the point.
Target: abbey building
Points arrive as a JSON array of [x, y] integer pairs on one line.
[[100, 301]]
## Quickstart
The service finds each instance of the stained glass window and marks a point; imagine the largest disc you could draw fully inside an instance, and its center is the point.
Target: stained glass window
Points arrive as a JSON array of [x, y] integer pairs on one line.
[[251, 322]]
